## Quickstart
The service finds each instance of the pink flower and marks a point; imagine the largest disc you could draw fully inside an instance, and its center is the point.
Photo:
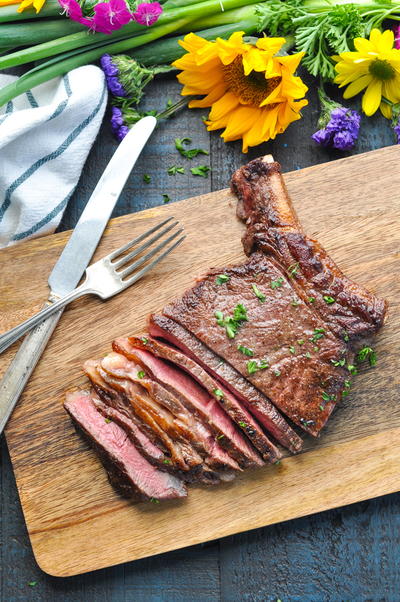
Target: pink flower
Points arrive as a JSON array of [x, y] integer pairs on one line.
[[397, 37], [109, 16], [73, 10], [147, 13]]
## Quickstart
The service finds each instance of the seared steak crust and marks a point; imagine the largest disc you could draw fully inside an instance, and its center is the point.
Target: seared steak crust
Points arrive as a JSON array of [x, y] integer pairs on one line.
[[273, 228], [281, 331]]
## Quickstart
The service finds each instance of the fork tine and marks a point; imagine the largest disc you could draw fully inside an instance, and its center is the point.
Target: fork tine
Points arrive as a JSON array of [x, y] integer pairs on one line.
[[149, 255], [136, 240], [151, 265], [124, 260]]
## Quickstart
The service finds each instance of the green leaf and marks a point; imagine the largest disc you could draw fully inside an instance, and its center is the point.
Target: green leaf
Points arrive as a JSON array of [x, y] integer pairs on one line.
[[174, 169], [188, 153], [146, 178], [166, 198], [260, 296], [245, 350], [222, 279]]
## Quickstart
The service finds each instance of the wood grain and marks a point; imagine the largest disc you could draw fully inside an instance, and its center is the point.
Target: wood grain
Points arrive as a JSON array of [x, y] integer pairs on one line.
[[75, 520]]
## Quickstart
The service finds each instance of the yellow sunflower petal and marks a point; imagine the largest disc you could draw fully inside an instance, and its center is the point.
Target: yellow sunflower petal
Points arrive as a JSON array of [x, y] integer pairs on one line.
[[386, 110], [356, 86], [224, 105], [372, 97], [208, 101]]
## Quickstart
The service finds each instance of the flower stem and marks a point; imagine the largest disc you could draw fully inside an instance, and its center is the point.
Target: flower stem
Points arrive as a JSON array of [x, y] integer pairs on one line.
[[174, 108]]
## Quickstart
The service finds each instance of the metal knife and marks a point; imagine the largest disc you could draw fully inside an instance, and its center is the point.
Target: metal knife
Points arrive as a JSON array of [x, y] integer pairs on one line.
[[74, 260]]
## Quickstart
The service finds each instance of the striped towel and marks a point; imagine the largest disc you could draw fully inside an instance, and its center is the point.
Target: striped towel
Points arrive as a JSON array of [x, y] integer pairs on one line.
[[45, 137]]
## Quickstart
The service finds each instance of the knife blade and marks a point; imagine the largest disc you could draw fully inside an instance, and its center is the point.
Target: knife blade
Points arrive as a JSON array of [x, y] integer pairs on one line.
[[74, 259]]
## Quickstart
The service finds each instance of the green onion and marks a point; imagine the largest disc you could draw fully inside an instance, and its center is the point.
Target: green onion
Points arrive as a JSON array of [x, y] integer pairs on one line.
[[260, 296]]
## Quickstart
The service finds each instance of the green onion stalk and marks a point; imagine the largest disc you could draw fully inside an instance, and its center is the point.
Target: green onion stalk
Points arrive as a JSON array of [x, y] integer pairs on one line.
[[189, 12]]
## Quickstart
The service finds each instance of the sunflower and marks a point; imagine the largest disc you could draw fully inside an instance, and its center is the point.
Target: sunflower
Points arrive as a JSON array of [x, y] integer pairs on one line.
[[374, 65], [37, 4], [252, 93]]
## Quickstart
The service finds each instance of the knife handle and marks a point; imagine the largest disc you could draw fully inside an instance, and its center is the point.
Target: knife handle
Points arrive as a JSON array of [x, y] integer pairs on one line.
[[22, 366]]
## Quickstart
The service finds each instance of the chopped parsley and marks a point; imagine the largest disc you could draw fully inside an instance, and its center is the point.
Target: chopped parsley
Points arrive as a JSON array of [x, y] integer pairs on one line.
[[306, 422], [232, 324], [352, 369], [292, 349], [166, 461], [327, 397], [346, 391], [254, 366], [311, 299], [190, 153], [146, 178], [308, 355], [200, 170], [141, 374], [295, 302], [222, 278], [174, 169], [220, 437], [154, 501], [218, 393], [328, 299], [345, 337], [300, 341], [337, 363], [367, 353], [245, 350], [107, 420], [277, 372], [277, 283], [242, 424], [316, 349], [260, 296], [166, 198], [293, 269], [144, 340], [32, 583], [318, 334]]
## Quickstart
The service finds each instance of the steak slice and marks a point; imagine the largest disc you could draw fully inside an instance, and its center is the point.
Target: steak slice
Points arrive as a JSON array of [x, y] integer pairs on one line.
[[126, 467], [261, 407], [195, 398], [240, 416], [120, 367], [280, 345], [272, 227]]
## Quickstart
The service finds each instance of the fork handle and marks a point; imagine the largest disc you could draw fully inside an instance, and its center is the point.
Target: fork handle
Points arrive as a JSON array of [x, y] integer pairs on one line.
[[9, 337]]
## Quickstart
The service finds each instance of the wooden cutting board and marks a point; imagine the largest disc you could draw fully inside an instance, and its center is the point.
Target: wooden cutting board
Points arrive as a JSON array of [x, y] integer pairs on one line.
[[75, 520]]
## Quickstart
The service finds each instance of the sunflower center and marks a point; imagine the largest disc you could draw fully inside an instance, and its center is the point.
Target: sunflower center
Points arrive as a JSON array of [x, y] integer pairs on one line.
[[381, 69], [251, 89]]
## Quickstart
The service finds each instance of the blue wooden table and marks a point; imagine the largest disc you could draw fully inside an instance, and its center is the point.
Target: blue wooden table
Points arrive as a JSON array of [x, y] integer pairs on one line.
[[350, 554]]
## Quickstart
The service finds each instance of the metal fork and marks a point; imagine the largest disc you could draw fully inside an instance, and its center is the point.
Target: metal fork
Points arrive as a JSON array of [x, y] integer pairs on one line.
[[108, 276]]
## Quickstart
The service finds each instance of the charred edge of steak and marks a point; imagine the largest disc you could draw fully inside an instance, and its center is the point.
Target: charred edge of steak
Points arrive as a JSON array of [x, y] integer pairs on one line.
[[272, 226]]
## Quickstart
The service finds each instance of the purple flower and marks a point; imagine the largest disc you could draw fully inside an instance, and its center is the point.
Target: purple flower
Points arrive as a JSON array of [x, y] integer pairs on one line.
[[117, 119], [397, 37], [396, 130], [147, 13], [122, 132], [340, 126], [109, 16], [111, 72], [73, 10]]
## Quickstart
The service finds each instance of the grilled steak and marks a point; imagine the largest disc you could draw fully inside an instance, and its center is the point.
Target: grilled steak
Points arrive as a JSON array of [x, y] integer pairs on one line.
[[272, 227], [195, 398], [194, 429], [242, 418], [169, 330], [127, 468], [289, 349]]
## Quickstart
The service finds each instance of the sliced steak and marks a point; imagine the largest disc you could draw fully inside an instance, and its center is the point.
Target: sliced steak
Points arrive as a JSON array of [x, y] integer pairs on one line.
[[242, 418], [120, 367], [172, 332], [347, 308], [134, 475], [194, 397], [258, 323]]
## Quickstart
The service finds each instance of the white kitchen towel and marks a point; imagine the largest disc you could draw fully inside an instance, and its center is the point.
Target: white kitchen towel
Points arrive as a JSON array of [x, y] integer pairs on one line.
[[45, 137]]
